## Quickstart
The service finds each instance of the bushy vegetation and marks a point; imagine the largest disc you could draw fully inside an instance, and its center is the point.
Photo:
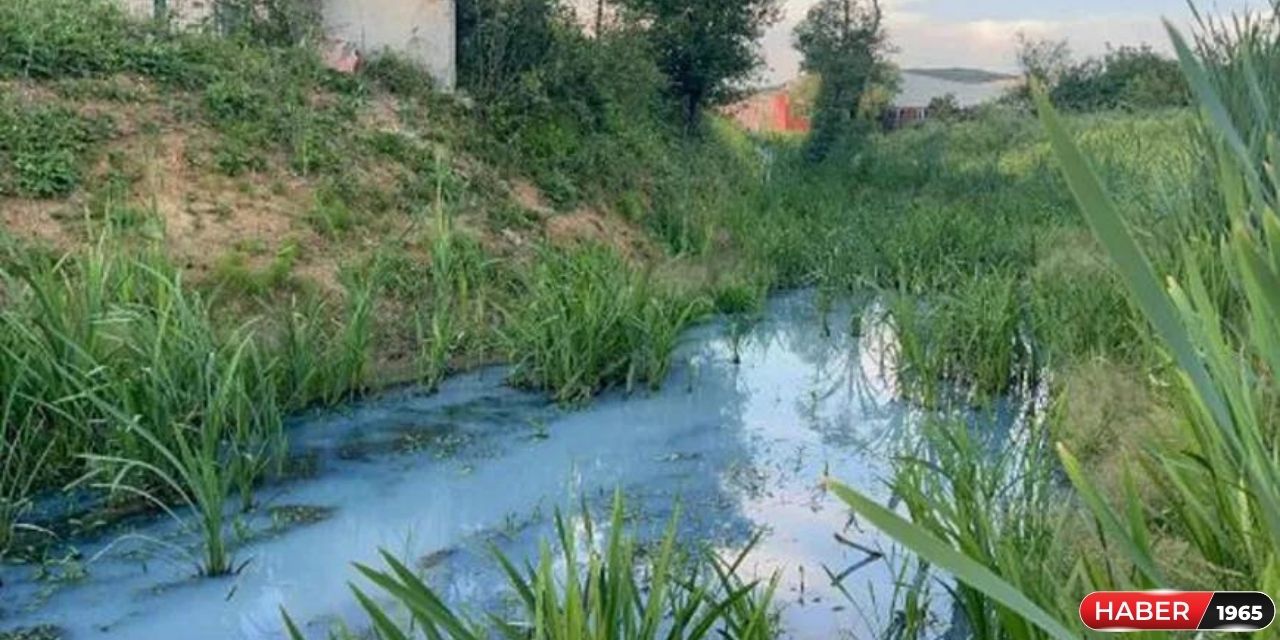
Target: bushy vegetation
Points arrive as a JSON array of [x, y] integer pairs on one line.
[[590, 322], [1133, 78]]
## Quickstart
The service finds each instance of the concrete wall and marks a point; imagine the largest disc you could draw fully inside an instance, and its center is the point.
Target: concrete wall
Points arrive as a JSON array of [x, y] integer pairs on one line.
[[423, 30], [184, 12]]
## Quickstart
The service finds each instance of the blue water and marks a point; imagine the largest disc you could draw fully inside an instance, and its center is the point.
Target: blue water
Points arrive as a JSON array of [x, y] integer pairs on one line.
[[436, 478]]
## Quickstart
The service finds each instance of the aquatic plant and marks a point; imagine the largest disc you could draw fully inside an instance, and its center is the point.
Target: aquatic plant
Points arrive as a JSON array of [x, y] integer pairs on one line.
[[21, 456], [198, 464], [458, 272], [970, 338], [438, 338], [589, 322], [610, 593], [996, 503], [351, 359]]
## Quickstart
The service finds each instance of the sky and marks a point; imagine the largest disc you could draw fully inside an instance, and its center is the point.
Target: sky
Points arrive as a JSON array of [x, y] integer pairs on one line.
[[981, 33]]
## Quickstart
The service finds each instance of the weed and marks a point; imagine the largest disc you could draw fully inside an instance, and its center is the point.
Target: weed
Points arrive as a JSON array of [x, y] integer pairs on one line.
[[21, 458], [438, 339], [354, 346], [589, 322], [45, 148], [600, 595]]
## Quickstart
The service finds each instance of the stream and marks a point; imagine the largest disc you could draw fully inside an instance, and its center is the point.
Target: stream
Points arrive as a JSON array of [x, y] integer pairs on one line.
[[435, 479]]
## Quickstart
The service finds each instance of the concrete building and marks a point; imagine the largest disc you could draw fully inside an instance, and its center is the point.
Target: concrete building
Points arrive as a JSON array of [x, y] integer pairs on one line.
[[424, 31]]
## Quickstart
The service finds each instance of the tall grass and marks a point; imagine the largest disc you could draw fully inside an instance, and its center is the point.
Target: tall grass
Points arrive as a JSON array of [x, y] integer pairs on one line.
[[1219, 485], [973, 339], [456, 312], [612, 592], [22, 457], [118, 373], [589, 322], [115, 344], [995, 503]]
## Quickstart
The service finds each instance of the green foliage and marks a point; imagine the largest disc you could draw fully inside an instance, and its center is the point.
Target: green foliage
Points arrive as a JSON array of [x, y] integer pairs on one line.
[[261, 99], [844, 44], [583, 117], [61, 38], [570, 597], [112, 339], [589, 322], [194, 408], [44, 149], [705, 47], [971, 337], [945, 108], [22, 456], [1027, 619], [1214, 490], [1135, 78], [1132, 78], [997, 507], [269, 22], [234, 273], [1222, 401]]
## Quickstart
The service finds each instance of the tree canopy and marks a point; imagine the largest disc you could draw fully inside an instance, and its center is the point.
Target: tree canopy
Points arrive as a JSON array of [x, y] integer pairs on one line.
[[705, 47], [843, 42]]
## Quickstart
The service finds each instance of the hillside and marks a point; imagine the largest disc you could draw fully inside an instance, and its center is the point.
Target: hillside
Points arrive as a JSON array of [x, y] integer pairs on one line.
[[962, 75]]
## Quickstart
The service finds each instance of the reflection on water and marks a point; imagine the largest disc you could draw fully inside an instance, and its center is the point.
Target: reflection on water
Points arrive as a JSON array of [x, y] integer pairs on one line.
[[436, 478]]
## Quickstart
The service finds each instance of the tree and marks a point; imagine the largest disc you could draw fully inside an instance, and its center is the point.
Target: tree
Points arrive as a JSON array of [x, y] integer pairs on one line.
[[705, 47], [1043, 60], [1124, 78], [945, 108], [843, 42]]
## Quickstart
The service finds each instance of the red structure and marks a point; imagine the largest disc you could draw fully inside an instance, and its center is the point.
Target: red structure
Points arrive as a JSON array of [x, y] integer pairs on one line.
[[768, 112]]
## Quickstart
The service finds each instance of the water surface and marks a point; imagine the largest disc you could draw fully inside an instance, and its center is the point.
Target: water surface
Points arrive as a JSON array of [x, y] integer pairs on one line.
[[436, 478]]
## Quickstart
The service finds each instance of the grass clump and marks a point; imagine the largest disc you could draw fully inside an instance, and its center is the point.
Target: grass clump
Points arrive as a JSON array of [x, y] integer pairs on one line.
[[22, 458], [590, 322], [602, 595], [971, 338], [138, 390], [996, 506]]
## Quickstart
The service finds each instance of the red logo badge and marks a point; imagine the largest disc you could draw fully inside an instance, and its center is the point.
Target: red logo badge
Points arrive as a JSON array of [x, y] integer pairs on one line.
[[1177, 611]]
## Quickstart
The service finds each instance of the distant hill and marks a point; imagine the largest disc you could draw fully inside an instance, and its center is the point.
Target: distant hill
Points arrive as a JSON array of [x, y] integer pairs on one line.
[[962, 75]]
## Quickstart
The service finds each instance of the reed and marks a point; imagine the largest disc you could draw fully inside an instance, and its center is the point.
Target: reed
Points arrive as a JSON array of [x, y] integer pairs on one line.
[[589, 322], [610, 593], [21, 458]]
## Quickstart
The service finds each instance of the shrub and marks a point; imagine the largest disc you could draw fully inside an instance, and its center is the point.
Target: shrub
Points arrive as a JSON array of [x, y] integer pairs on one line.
[[44, 149]]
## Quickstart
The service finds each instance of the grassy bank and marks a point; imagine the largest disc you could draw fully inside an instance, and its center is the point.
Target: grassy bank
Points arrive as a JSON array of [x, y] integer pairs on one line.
[[1169, 454], [202, 234]]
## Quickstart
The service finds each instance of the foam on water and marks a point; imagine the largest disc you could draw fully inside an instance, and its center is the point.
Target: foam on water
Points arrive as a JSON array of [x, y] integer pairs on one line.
[[435, 478]]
